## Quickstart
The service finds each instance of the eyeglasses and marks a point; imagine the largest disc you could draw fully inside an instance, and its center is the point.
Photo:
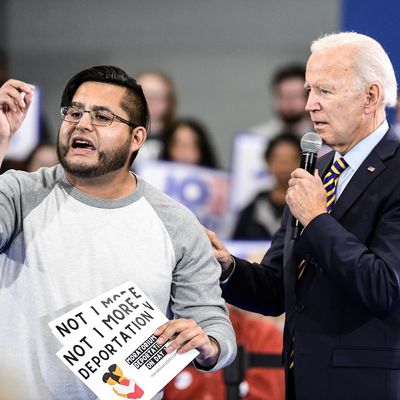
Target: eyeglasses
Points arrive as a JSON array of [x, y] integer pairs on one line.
[[97, 117]]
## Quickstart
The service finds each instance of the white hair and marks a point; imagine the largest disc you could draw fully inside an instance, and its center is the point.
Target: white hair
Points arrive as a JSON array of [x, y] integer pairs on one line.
[[371, 61]]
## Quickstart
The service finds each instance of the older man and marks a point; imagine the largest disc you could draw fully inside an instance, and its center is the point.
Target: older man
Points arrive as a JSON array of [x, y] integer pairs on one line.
[[339, 283], [74, 231]]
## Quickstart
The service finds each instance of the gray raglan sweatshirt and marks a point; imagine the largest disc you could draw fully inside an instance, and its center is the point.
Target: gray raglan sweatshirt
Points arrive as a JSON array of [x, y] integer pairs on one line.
[[61, 248]]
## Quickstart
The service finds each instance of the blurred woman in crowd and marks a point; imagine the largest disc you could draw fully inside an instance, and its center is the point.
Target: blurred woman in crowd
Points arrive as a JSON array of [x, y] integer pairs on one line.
[[188, 142], [261, 218], [160, 94]]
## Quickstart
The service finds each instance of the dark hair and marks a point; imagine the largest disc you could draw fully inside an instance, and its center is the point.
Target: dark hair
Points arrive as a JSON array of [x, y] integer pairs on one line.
[[288, 71], [284, 137], [106, 377], [134, 103], [207, 154]]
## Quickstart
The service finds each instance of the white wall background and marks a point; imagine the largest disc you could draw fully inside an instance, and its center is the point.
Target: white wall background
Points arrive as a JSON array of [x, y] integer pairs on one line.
[[219, 53]]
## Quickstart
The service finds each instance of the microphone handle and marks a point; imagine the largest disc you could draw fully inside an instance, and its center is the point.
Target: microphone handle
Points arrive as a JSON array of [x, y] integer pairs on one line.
[[308, 162]]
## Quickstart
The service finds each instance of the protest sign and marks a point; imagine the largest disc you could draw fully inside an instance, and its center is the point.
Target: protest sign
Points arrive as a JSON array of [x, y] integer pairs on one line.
[[203, 190], [249, 170], [109, 344]]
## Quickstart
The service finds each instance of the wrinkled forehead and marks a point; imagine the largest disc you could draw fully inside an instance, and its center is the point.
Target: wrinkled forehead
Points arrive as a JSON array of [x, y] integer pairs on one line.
[[337, 64]]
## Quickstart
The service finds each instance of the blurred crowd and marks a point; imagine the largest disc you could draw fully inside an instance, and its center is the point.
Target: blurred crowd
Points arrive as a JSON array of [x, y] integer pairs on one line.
[[186, 140]]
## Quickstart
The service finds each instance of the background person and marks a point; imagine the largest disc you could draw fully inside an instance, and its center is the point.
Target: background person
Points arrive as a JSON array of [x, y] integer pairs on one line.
[[188, 142], [289, 99], [260, 219], [161, 98]]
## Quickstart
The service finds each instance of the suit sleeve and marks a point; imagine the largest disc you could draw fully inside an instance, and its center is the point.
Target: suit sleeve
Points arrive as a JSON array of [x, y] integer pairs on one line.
[[259, 287], [370, 273]]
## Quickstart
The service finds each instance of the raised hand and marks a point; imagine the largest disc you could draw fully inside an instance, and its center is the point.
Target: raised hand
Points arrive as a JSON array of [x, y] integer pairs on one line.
[[15, 99]]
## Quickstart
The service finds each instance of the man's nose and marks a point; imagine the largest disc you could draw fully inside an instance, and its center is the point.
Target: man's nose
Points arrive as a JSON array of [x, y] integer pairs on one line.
[[85, 123], [312, 102]]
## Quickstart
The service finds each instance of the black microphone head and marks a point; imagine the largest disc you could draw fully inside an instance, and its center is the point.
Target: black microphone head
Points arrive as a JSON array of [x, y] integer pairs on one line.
[[310, 143]]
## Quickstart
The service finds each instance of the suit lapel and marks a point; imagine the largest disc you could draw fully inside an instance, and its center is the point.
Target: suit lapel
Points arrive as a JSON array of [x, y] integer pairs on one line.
[[369, 170]]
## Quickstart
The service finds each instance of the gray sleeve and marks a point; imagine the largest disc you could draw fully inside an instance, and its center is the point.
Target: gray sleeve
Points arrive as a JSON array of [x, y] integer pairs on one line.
[[20, 193], [195, 291]]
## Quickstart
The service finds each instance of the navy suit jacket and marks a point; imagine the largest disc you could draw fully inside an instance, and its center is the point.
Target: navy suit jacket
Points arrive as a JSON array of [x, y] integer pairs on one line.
[[345, 311]]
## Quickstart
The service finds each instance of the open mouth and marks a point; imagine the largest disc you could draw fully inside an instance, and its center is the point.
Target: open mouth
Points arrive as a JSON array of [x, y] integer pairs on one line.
[[82, 144]]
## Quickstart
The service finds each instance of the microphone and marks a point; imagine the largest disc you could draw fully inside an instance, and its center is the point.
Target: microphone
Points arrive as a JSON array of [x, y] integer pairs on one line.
[[310, 144]]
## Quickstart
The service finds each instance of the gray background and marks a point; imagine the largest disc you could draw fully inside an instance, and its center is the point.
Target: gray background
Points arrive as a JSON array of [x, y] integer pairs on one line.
[[219, 53]]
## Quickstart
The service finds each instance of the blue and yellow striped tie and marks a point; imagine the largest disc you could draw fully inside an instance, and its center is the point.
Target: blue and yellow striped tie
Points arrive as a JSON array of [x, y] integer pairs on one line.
[[331, 180], [330, 184]]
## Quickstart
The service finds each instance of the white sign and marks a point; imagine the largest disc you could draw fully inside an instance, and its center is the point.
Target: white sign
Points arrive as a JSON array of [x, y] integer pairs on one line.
[[204, 191], [249, 170], [109, 344], [251, 250]]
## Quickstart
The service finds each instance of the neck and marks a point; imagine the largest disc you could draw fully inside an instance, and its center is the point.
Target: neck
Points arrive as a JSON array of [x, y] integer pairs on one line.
[[112, 186], [373, 122]]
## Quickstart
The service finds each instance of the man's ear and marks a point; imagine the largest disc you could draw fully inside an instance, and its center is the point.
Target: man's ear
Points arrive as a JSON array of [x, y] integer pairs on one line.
[[374, 98], [139, 136]]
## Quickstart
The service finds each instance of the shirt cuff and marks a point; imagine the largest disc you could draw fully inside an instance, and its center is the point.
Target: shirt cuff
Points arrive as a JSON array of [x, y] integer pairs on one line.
[[231, 273]]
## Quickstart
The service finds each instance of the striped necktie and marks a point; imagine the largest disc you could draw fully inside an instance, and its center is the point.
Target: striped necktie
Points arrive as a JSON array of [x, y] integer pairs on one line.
[[331, 180], [330, 184]]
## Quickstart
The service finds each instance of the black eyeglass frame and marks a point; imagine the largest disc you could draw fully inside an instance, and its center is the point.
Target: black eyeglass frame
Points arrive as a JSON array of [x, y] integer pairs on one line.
[[65, 109]]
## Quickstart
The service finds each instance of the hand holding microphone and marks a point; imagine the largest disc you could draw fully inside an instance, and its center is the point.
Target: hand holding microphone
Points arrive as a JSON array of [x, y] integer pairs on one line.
[[301, 194]]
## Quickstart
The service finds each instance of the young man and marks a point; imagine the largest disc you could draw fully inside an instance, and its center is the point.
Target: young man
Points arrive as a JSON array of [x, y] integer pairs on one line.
[[74, 231]]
